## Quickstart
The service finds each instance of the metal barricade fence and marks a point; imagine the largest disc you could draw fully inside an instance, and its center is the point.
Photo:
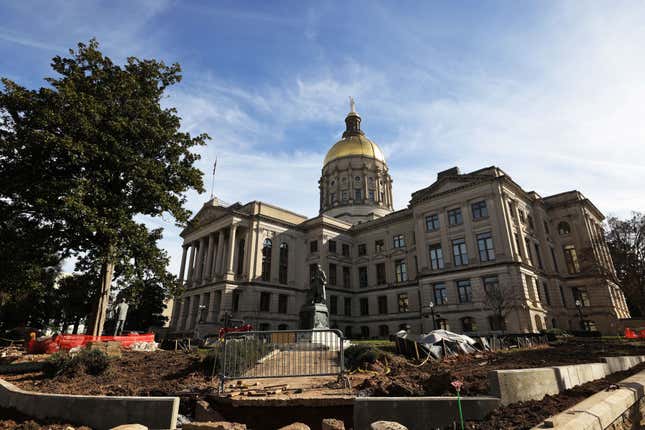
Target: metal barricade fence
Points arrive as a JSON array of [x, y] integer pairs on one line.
[[284, 353]]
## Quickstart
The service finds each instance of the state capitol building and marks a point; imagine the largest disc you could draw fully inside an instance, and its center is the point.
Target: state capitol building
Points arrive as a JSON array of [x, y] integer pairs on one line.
[[459, 239]]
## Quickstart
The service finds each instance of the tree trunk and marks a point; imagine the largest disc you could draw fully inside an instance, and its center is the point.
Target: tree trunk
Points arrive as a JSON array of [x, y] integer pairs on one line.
[[77, 322], [107, 269]]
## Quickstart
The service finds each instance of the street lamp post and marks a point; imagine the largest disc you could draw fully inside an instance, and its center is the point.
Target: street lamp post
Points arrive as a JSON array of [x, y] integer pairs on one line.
[[582, 321], [434, 323]]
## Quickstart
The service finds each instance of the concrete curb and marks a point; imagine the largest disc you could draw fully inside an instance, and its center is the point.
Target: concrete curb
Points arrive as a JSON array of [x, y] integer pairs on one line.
[[616, 409], [420, 412], [98, 412], [519, 385]]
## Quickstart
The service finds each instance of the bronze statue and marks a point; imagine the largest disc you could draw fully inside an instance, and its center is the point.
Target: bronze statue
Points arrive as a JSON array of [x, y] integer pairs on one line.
[[318, 283]]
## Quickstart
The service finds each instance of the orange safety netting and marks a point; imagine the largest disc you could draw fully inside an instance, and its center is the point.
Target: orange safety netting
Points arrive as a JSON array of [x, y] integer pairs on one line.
[[69, 341]]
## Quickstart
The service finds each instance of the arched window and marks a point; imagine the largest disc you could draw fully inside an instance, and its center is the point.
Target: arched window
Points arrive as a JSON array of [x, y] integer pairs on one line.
[[266, 259], [564, 228], [284, 263]]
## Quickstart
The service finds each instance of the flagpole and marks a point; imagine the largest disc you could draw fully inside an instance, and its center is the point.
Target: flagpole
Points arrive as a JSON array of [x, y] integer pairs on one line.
[[213, 177]]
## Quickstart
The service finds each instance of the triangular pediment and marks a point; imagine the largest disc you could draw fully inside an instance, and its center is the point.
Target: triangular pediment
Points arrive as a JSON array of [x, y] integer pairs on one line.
[[206, 215], [447, 185]]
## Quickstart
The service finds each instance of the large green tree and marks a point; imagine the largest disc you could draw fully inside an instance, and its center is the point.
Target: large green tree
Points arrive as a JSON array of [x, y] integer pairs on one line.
[[626, 241], [93, 150]]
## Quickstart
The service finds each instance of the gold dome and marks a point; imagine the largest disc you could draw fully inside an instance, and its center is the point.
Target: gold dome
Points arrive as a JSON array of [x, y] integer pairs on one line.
[[357, 145]]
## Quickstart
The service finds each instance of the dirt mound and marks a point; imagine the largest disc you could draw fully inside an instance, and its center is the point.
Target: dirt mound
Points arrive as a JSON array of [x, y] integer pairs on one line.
[[157, 373]]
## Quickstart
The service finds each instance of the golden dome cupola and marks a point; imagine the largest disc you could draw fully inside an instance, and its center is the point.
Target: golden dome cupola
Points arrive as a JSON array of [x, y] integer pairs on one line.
[[355, 184]]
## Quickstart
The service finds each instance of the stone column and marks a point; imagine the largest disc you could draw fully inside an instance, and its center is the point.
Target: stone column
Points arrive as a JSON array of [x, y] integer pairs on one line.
[[199, 266], [183, 264], [217, 265], [190, 317], [231, 250], [191, 267], [208, 272], [199, 310], [248, 250], [212, 312], [179, 323]]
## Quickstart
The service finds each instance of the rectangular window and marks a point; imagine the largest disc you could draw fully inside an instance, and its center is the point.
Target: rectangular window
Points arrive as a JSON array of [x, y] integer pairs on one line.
[[333, 305], [538, 255], [521, 214], [265, 302], [358, 194], [529, 287], [382, 305], [283, 301], [527, 242], [313, 246], [485, 246], [540, 293], [379, 245], [454, 217], [348, 306], [555, 261], [365, 309], [371, 194], [380, 274], [332, 274], [581, 296], [345, 196], [313, 268], [564, 301], [346, 277], [404, 305], [332, 246], [479, 210], [362, 277], [518, 245], [547, 296], [345, 249], [436, 256], [511, 209], [464, 291], [459, 252], [571, 258], [432, 222], [236, 301], [491, 284], [362, 249], [398, 241], [440, 294], [401, 270]]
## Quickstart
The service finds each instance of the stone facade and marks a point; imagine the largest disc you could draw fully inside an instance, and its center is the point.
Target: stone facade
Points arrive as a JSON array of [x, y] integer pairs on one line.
[[464, 235]]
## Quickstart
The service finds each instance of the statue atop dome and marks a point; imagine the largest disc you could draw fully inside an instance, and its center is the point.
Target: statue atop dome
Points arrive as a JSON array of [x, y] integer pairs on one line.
[[352, 105]]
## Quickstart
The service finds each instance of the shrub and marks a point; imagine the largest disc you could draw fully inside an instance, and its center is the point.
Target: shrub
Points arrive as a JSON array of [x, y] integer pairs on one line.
[[57, 364], [357, 356], [92, 362]]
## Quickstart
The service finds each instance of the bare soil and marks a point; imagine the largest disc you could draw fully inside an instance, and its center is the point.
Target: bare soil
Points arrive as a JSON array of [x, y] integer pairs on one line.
[[526, 415], [400, 377]]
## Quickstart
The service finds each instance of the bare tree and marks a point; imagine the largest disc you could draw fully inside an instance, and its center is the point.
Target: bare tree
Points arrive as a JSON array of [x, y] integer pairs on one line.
[[500, 300], [626, 242]]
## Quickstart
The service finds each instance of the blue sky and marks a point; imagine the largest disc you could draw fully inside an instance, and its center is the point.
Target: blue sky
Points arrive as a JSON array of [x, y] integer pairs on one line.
[[552, 92]]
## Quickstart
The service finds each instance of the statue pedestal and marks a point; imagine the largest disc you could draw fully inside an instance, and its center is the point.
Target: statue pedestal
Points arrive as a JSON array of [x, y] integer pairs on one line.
[[314, 316]]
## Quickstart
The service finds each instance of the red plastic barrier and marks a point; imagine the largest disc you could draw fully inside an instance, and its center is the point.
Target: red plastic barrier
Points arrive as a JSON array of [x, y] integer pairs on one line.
[[69, 341], [630, 334], [245, 327]]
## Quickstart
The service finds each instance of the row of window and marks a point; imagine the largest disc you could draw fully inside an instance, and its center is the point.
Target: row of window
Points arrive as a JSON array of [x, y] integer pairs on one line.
[[400, 272], [358, 195], [343, 180], [398, 241], [479, 210], [265, 302], [460, 251], [283, 266], [382, 302]]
